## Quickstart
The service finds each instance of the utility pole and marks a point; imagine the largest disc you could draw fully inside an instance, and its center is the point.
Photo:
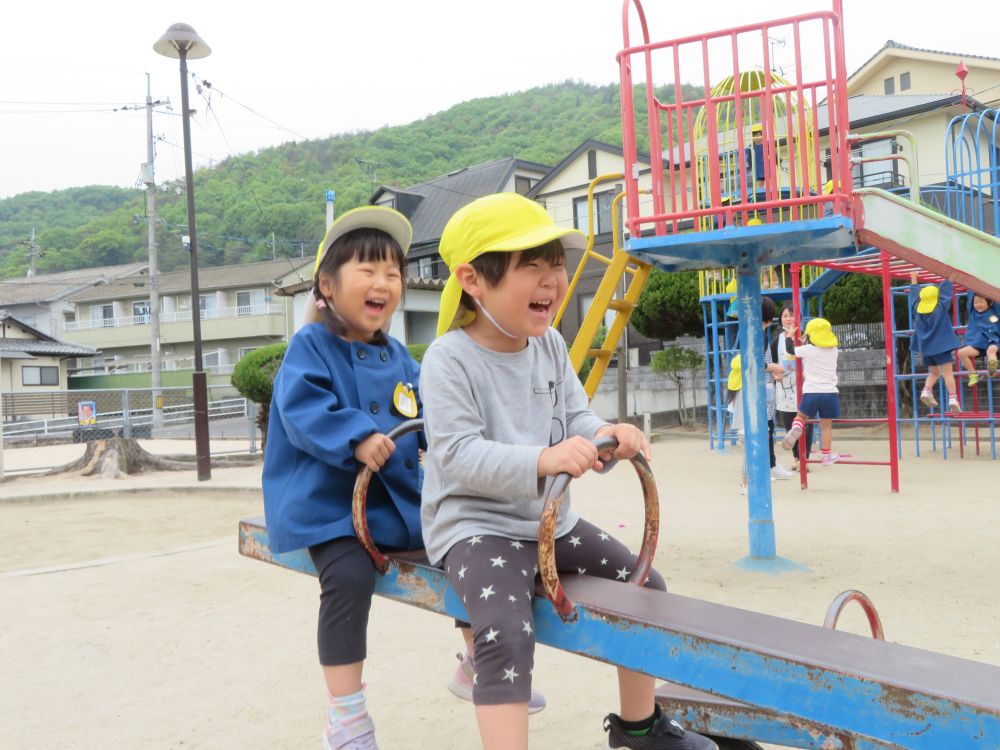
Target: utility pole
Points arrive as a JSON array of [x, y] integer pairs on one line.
[[274, 248], [148, 177], [371, 166], [34, 251]]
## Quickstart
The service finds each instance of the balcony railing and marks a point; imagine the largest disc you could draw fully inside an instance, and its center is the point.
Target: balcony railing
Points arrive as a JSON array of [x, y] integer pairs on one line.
[[220, 313]]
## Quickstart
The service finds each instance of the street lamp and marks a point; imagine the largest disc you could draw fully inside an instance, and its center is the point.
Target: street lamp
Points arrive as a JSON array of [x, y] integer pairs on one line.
[[182, 42]]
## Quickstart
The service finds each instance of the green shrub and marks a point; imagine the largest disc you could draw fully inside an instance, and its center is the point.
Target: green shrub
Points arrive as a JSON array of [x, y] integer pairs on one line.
[[668, 306], [253, 376], [417, 351]]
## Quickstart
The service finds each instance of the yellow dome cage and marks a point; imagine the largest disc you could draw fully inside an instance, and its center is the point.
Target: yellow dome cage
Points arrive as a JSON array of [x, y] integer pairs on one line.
[[757, 155]]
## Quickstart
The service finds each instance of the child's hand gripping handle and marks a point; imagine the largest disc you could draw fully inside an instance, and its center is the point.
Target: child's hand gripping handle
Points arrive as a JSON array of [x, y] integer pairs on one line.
[[359, 512], [547, 531]]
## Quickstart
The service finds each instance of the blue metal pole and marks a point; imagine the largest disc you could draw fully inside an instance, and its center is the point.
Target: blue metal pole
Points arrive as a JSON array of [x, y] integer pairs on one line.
[[761, 525], [714, 387]]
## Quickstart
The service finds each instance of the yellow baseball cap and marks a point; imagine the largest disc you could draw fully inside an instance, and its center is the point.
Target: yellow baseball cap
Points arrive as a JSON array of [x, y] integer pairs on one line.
[[756, 128], [389, 220], [503, 222], [821, 334], [735, 382], [928, 299]]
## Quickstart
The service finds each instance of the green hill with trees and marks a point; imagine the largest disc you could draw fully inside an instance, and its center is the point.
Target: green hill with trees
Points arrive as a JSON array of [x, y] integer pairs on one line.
[[245, 198]]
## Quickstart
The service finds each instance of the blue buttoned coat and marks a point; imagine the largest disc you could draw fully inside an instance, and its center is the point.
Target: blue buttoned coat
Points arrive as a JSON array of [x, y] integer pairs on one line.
[[329, 395], [984, 327], [933, 332]]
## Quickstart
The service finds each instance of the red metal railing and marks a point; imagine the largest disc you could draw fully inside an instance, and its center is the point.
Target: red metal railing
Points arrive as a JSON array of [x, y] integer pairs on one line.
[[675, 193]]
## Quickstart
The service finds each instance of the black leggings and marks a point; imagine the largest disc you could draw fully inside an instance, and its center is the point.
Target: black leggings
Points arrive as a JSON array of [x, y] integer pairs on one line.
[[347, 582], [495, 578]]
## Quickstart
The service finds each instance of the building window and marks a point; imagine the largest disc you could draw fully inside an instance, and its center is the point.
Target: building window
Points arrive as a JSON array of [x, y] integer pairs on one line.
[[102, 316], [890, 85], [250, 302], [427, 268], [904, 81], [884, 173], [209, 306], [214, 359], [522, 184], [140, 311], [586, 301], [245, 350], [602, 221], [34, 375]]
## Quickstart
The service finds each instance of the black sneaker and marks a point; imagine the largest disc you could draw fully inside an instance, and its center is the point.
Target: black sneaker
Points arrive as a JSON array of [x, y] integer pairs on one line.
[[666, 734]]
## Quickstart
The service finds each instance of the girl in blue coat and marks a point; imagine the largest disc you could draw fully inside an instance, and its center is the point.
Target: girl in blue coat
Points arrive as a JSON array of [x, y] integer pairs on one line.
[[935, 338], [982, 336], [342, 385]]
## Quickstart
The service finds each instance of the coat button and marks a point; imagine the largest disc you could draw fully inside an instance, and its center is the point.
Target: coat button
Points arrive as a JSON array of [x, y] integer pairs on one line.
[[383, 356], [362, 354], [373, 407], [409, 463]]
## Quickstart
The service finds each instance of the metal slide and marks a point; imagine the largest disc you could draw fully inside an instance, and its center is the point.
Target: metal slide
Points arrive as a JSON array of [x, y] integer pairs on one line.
[[928, 239]]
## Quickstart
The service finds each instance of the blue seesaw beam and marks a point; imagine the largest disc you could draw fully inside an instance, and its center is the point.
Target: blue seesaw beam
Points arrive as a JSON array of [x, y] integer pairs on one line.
[[874, 692]]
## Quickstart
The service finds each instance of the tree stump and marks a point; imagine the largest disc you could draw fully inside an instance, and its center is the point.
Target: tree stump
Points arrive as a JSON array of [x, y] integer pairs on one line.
[[113, 457]]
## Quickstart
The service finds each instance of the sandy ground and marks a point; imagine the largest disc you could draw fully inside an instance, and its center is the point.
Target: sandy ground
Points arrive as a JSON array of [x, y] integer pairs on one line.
[[129, 620]]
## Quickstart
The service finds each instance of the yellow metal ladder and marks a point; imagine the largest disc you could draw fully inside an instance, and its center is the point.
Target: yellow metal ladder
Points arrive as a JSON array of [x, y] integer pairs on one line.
[[620, 266]]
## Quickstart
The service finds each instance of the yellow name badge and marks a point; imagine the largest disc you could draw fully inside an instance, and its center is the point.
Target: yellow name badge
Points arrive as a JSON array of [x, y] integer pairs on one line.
[[405, 400]]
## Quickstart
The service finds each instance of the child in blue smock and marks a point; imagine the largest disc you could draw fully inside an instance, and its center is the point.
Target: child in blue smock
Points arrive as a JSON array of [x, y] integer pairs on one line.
[[934, 337], [982, 336], [342, 385]]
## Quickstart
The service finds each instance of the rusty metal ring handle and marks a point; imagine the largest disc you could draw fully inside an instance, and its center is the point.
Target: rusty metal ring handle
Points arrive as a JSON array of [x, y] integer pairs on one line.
[[359, 510], [851, 595], [547, 532]]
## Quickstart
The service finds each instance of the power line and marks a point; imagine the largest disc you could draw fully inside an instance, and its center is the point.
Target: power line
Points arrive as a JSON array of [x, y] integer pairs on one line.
[[208, 85]]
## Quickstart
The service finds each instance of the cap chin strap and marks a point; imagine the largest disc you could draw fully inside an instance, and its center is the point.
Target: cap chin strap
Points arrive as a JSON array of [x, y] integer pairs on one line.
[[496, 325]]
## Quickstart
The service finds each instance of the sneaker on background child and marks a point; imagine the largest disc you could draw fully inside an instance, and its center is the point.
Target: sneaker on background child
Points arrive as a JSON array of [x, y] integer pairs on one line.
[[462, 682], [934, 338]]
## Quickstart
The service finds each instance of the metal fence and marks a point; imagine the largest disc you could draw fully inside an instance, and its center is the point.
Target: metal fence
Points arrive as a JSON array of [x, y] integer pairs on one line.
[[45, 430]]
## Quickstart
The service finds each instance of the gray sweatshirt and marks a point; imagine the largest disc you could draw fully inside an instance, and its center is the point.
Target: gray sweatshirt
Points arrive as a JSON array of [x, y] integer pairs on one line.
[[488, 416]]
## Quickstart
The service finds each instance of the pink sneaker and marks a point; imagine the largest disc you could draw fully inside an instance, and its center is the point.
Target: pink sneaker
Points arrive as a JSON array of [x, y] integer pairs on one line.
[[461, 685], [953, 406], [829, 459], [791, 437], [357, 735], [927, 399]]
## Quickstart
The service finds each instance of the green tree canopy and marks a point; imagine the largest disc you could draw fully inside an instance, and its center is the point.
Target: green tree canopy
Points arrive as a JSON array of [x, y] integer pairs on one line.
[[669, 306]]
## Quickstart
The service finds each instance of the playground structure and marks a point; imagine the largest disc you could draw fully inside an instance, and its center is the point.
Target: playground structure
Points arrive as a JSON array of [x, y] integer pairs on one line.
[[970, 196], [764, 678]]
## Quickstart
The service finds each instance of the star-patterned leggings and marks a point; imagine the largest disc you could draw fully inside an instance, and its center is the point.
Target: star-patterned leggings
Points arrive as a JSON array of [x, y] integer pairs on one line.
[[495, 578]]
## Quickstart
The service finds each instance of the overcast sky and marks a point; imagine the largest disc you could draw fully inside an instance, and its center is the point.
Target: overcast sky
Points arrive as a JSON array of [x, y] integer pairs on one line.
[[294, 70]]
